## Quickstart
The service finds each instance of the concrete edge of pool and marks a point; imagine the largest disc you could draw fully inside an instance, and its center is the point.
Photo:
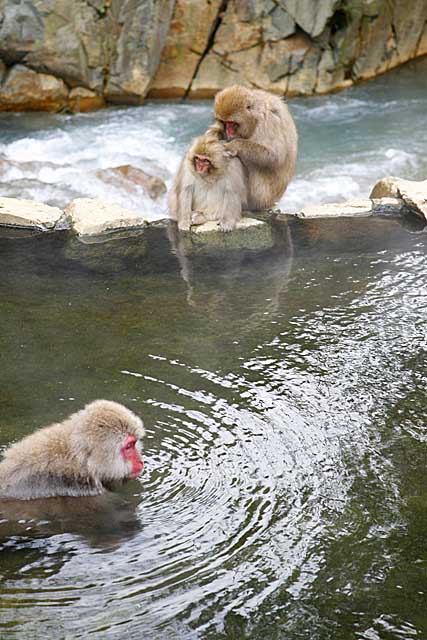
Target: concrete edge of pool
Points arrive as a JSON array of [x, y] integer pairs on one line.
[[92, 218]]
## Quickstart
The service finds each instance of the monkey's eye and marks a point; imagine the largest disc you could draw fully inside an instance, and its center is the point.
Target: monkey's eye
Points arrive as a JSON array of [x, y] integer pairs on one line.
[[130, 445]]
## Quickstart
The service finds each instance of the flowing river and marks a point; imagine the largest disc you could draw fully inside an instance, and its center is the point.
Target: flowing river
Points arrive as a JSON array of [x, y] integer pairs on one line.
[[283, 389]]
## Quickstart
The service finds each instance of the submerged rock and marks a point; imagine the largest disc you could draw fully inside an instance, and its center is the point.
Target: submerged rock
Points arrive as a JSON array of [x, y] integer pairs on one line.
[[30, 215], [92, 216], [128, 178], [412, 193]]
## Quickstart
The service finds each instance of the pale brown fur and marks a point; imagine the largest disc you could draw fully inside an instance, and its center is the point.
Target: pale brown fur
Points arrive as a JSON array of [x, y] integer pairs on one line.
[[80, 456], [266, 140], [220, 195]]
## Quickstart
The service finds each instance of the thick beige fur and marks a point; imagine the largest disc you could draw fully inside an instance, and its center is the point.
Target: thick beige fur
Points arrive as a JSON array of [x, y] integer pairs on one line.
[[266, 140], [80, 456], [220, 195]]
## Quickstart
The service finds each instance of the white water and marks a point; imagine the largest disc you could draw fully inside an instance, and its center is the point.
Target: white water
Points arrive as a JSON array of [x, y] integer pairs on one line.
[[347, 142]]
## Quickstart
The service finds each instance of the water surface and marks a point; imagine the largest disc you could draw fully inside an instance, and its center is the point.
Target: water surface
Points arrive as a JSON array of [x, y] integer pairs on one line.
[[284, 393]]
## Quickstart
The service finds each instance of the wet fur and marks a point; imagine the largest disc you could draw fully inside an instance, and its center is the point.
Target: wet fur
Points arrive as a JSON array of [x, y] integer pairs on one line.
[[78, 457], [220, 195], [266, 141]]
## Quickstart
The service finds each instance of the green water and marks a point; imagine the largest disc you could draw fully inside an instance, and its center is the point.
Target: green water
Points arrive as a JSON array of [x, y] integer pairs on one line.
[[284, 395]]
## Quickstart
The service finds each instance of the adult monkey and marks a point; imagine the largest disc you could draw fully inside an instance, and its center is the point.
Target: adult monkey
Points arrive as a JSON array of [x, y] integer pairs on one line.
[[261, 132], [82, 456]]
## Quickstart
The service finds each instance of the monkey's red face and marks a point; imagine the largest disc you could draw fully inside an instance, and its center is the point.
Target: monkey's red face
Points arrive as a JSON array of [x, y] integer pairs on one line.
[[130, 454], [231, 128], [202, 164]]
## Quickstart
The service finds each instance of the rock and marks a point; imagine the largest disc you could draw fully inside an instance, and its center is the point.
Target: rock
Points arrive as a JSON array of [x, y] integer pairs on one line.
[[413, 193], [142, 27], [249, 234], [128, 177], [60, 37], [26, 90], [311, 16], [81, 100], [375, 207], [351, 208], [30, 215], [91, 216], [2, 71], [190, 28]]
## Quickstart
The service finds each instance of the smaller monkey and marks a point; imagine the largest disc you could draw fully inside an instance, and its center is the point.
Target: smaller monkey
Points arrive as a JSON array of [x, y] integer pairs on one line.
[[209, 185], [82, 456]]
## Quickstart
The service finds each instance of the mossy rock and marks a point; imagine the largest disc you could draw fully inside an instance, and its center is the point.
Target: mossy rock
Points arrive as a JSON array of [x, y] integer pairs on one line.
[[249, 234]]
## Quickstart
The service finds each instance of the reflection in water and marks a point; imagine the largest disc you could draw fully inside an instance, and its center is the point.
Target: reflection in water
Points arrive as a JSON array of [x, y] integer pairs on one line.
[[283, 391]]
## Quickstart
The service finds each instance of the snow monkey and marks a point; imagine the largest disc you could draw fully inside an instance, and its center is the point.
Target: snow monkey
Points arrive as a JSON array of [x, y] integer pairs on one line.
[[261, 132], [82, 456], [209, 185]]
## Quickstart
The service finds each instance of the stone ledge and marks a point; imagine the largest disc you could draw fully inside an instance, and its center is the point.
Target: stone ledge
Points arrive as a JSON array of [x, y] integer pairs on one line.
[[27, 214], [92, 216], [413, 193]]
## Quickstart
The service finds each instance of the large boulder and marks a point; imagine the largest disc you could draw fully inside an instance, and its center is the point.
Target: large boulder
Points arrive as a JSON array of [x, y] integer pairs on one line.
[[25, 90], [67, 39]]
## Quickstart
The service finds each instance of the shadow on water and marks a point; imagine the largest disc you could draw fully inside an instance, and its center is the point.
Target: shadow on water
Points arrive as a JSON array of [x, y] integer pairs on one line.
[[283, 391]]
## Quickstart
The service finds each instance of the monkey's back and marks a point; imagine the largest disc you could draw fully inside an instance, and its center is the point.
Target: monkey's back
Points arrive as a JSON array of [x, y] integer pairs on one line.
[[277, 132], [41, 466]]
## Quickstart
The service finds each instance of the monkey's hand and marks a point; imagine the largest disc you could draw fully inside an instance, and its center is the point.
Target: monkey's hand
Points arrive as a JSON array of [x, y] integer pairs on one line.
[[252, 153], [232, 148]]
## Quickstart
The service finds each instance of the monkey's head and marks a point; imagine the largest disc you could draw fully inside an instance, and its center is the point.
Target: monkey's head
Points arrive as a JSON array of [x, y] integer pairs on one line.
[[236, 109], [208, 157], [109, 435]]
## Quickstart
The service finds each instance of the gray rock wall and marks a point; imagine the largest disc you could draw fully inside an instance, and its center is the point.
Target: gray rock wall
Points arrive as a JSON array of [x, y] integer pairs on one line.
[[121, 50]]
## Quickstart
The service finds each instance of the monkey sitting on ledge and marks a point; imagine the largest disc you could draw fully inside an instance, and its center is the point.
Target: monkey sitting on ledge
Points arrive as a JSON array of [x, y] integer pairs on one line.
[[82, 456], [209, 185]]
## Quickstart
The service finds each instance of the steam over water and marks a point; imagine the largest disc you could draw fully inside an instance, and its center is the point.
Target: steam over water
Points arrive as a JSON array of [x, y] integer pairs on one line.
[[347, 141], [283, 390]]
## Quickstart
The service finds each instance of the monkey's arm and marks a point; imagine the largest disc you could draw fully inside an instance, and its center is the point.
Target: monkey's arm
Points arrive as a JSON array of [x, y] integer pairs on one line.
[[229, 210], [181, 197], [252, 153], [185, 200]]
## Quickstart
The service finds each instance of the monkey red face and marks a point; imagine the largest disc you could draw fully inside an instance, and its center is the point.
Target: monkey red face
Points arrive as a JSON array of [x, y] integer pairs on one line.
[[202, 164], [131, 454], [231, 128]]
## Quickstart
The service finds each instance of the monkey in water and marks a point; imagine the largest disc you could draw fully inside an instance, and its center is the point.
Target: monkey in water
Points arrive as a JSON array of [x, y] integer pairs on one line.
[[209, 185], [82, 456], [261, 132]]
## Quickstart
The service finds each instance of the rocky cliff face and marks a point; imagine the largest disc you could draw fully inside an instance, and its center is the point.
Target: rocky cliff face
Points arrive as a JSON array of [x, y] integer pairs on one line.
[[57, 54]]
